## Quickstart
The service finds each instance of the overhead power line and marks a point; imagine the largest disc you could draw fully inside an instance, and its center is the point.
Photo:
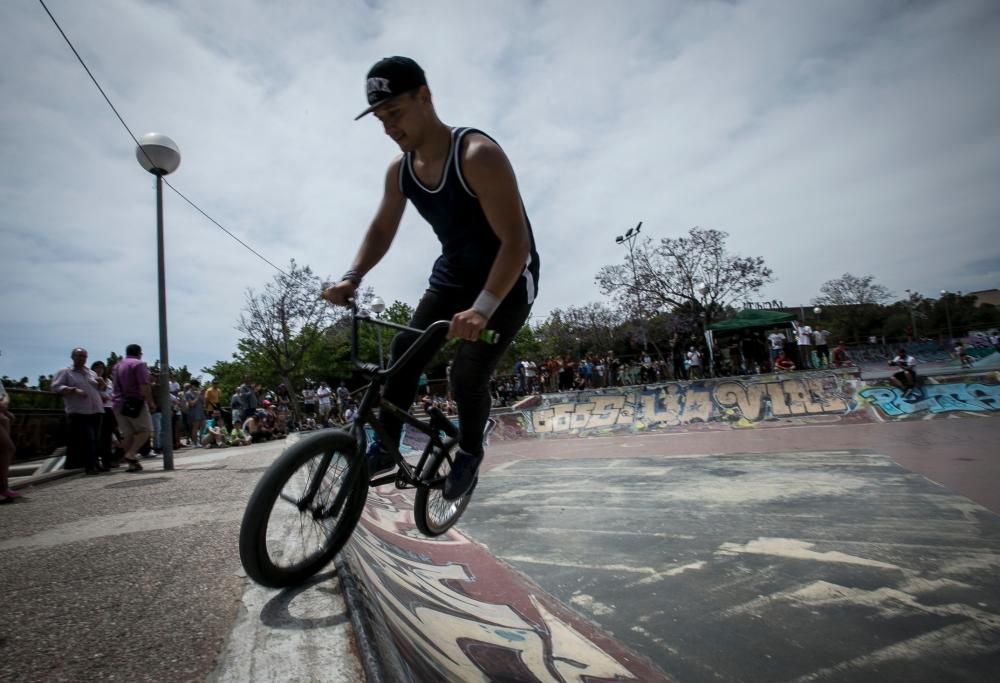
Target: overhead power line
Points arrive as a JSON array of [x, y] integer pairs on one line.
[[138, 146]]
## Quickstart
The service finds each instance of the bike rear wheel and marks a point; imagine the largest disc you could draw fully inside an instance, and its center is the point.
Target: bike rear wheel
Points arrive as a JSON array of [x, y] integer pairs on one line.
[[283, 538], [433, 514]]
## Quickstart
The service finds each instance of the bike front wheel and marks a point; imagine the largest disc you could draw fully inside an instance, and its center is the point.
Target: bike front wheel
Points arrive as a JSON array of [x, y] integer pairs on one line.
[[303, 509], [433, 514]]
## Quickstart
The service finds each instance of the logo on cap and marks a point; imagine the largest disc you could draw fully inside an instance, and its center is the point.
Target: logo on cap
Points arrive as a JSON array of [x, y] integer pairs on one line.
[[375, 86]]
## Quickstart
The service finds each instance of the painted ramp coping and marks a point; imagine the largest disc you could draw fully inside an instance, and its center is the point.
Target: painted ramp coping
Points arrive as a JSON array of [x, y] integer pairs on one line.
[[445, 609]]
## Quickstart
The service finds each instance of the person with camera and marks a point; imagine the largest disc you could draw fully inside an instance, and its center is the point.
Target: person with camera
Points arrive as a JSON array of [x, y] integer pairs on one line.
[[132, 401], [905, 379]]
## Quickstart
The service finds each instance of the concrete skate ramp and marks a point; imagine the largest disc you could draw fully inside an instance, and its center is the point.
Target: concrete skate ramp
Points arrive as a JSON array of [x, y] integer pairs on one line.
[[826, 565], [445, 609]]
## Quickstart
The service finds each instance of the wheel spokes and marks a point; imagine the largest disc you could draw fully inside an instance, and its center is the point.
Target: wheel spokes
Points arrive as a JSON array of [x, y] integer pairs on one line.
[[296, 532]]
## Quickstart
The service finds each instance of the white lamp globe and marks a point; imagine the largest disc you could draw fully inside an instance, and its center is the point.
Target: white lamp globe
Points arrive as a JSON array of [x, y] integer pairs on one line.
[[158, 154]]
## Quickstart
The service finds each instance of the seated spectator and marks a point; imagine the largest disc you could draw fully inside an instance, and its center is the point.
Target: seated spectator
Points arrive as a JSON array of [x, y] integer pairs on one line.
[[254, 427], [237, 437], [213, 433], [783, 362], [270, 421], [963, 356], [351, 412], [839, 356]]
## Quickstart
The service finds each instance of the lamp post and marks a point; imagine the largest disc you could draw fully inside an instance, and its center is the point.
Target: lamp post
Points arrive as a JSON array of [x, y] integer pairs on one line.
[[378, 306], [629, 238], [702, 288], [159, 155], [947, 312], [913, 316]]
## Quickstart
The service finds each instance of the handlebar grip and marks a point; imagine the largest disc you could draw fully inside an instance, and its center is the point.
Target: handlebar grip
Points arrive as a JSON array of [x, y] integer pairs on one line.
[[489, 336]]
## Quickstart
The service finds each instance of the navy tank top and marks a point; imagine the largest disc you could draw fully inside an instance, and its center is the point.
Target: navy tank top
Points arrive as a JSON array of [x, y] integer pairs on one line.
[[468, 243]]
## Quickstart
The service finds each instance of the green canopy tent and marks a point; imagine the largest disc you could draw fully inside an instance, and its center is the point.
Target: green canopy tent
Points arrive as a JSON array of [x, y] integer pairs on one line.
[[753, 317], [748, 318]]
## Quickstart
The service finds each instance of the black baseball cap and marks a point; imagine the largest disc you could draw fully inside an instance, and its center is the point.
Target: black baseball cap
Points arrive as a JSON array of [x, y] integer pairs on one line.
[[389, 78]]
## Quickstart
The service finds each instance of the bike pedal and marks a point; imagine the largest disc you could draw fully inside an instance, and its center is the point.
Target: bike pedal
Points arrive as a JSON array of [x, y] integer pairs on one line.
[[437, 483]]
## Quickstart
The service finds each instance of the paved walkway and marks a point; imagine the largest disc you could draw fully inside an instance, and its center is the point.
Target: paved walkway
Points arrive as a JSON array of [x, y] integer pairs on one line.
[[136, 577]]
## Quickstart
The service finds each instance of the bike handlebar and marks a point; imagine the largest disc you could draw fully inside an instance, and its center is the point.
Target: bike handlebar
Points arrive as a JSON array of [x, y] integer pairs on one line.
[[487, 336]]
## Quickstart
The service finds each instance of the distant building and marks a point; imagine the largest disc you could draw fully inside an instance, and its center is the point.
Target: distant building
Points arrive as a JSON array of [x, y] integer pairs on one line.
[[986, 296]]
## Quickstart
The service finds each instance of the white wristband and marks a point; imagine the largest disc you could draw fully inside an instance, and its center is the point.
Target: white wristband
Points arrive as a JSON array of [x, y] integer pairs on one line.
[[486, 304]]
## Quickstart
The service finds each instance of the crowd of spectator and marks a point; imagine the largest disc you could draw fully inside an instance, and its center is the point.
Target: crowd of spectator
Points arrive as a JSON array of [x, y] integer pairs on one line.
[[114, 417], [749, 352]]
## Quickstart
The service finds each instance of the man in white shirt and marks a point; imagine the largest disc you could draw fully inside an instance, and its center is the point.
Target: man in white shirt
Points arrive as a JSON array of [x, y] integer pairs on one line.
[[777, 340], [80, 388], [530, 376], [822, 347], [694, 363], [803, 335], [323, 398]]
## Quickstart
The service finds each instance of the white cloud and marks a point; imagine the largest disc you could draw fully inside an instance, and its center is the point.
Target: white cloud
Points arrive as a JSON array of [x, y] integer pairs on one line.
[[828, 137]]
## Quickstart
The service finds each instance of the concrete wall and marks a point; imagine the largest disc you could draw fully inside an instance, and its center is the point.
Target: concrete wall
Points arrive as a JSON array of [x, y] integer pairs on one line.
[[746, 402]]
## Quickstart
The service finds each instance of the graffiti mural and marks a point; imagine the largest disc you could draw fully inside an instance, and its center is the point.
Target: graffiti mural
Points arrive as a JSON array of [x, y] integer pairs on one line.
[[739, 401], [935, 399], [455, 613]]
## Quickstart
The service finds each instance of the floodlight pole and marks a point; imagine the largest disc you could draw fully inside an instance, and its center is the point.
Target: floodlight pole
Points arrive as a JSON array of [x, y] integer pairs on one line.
[[630, 238], [945, 294]]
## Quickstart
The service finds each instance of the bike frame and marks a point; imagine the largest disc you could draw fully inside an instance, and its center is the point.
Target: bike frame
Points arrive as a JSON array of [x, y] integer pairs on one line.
[[406, 475]]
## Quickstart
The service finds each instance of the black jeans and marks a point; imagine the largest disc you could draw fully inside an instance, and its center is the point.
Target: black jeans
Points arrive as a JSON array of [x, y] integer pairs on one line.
[[81, 451], [470, 372], [104, 434]]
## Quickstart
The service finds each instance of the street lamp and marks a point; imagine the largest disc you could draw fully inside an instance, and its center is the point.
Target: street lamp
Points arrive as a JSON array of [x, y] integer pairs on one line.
[[378, 306], [702, 288], [159, 155], [913, 316], [945, 294]]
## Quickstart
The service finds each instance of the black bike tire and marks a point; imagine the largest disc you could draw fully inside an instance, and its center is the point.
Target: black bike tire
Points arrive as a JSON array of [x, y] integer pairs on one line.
[[422, 498], [253, 530]]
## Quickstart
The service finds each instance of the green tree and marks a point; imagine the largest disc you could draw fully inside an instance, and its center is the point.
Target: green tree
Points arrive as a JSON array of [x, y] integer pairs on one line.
[[285, 320], [855, 304], [679, 272]]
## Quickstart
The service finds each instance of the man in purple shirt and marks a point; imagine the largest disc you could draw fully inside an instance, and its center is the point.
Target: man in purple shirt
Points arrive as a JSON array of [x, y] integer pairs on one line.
[[81, 389], [131, 385]]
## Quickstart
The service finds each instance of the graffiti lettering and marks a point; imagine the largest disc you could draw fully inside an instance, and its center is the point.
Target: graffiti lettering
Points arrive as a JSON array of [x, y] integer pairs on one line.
[[936, 398], [675, 404]]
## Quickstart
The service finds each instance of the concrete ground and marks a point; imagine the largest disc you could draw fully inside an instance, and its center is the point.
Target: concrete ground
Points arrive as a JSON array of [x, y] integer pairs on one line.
[[136, 577], [843, 552]]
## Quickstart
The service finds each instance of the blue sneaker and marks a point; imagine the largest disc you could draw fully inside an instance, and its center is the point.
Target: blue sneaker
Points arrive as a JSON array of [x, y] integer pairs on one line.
[[379, 461], [462, 476]]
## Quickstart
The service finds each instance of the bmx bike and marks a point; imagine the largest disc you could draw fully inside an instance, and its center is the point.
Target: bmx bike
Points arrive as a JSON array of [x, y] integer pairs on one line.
[[308, 502]]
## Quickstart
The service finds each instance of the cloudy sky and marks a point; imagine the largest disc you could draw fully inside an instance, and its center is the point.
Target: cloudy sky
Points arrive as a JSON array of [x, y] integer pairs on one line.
[[834, 136]]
